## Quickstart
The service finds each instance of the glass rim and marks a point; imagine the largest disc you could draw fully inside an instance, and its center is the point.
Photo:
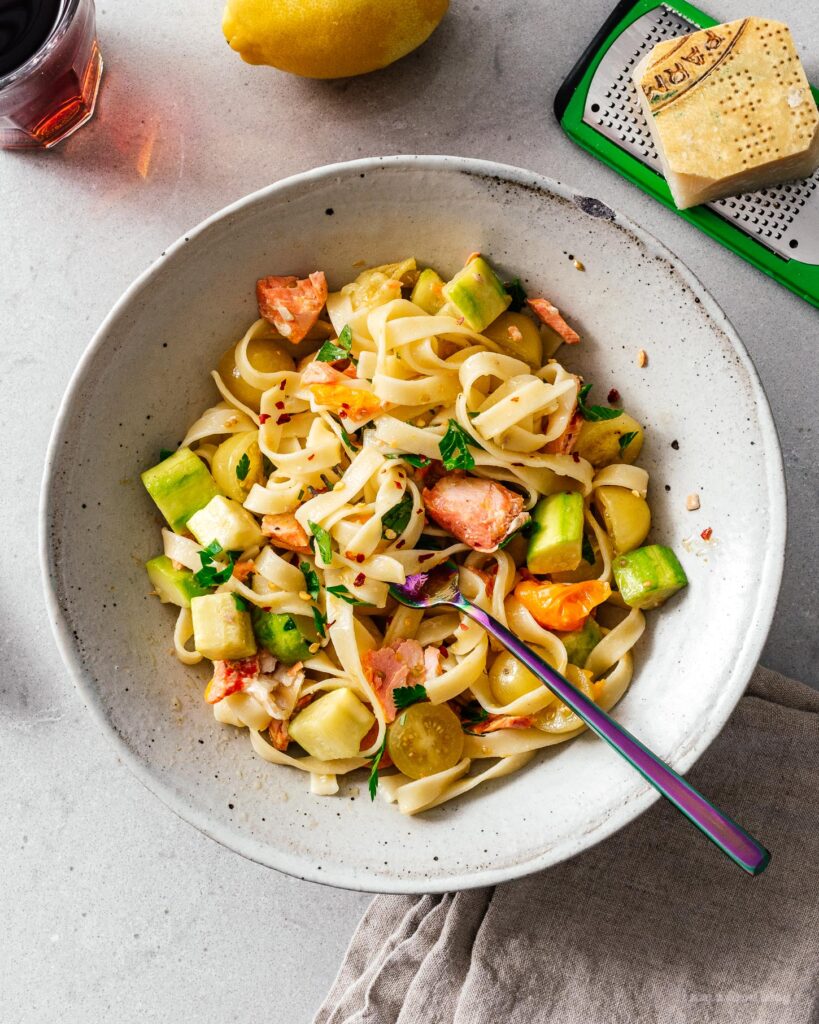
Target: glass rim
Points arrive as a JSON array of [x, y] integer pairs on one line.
[[67, 11]]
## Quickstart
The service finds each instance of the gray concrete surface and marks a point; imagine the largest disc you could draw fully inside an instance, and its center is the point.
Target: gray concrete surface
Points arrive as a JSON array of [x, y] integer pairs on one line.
[[112, 909]]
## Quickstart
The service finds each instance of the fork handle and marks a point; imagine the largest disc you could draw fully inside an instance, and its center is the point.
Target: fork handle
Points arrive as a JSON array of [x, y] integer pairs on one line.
[[723, 831]]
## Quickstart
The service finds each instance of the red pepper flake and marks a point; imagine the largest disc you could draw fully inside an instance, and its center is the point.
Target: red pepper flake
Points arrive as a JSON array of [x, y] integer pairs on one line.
[[279, 405], [576, 457], [706, 533], [284, 418], [359, 580], [419, 511], [345, 405], [342, 415], [613, 396], [425, 558], [282, 385], [443, 651], [263, 417], [401, 543], [311, 457], [359, 558], [397, 484]]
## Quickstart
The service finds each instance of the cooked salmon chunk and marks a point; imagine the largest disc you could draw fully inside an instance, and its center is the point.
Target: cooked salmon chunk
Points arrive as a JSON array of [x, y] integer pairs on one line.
[[478, 512], [290, 304], [285, 531], [550, 315], [402, 663]]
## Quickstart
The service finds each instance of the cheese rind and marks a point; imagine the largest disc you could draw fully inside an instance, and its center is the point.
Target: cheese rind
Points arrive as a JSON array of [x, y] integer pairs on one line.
[[730, 110]]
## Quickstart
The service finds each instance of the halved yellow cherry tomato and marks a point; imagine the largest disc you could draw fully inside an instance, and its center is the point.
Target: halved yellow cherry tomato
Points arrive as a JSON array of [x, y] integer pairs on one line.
[[352, 403], [563, 606], [425, 739]]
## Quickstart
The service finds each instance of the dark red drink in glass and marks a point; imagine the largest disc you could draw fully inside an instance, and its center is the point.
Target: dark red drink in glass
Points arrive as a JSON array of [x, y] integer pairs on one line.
[[50, 67]]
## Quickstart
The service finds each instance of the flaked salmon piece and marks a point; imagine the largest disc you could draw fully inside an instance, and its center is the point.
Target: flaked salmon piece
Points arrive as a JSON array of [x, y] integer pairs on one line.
[[564, 443], [285, 531], [279, 736], [277, 688], [402, 663], [231, 677], [241, 570], [478, 512], [495, 722], [325, 373], [550, 315], [386, 761], [290, 304], [432, 663], [488, 576]]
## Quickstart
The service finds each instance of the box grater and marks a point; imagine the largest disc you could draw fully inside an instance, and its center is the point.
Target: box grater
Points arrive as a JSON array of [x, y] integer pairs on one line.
[[776, 229]]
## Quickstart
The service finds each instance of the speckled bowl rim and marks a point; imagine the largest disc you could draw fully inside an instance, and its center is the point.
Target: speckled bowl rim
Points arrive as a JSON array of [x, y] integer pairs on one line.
[[728, 696]]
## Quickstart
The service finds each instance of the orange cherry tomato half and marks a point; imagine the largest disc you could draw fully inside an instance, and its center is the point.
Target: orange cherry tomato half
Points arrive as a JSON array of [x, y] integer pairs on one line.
[[561, 606]]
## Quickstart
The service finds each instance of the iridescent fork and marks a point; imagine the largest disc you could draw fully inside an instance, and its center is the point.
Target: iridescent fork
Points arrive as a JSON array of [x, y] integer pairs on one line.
[[440, 586]]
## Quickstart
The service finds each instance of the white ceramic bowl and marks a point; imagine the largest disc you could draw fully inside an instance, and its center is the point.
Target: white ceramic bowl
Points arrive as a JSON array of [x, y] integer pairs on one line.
[[145, 377]]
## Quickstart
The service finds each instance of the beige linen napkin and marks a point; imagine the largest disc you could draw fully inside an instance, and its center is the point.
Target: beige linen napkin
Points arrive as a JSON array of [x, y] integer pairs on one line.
[[653, 924]]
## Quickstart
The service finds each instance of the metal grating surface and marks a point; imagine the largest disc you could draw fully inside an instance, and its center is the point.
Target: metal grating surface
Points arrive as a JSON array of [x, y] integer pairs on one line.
[[785, 218]]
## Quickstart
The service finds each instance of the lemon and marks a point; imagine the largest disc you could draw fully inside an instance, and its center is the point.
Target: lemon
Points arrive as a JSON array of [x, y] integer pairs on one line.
[[329, 38]]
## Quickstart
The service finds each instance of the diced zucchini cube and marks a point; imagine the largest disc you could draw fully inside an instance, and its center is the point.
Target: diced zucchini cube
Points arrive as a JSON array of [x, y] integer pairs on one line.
[[428, 291], [279, 634], [180, 485], [333, 726], [581, 642], [174, 586], [648, 576], [222, 630], [477, 293], [556, 542], [226, 521]]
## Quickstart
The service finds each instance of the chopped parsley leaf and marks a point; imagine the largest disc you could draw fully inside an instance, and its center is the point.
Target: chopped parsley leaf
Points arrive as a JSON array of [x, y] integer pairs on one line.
[[406, 695], [241, 604], [243, 467], [330, 352], [375, 761], [289, 624], [323, 542], [345, 437], [454, 447], [594, 413], [398, 517], [587, 551], [311, 580], [473, 713], [419, 461], [209, 575], [345, 595], [624, 440], [508, 540], [320, 622], [515, 289]]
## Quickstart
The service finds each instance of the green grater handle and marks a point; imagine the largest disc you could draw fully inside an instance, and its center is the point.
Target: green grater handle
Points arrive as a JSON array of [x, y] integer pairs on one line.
[[801, 278]]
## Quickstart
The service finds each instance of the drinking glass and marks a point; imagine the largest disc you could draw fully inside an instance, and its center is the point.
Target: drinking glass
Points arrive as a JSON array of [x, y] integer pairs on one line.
[[52, 92]]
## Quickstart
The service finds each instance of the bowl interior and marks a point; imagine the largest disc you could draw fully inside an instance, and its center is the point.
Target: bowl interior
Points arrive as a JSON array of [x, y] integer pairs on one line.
[[145, 378]]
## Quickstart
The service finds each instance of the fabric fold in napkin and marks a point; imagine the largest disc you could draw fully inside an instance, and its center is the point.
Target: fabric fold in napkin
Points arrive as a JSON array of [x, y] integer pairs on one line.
[[653, 924]]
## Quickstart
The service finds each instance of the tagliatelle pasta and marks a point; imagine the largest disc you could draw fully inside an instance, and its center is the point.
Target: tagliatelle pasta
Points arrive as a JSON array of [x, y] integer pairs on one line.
[[417, 424]]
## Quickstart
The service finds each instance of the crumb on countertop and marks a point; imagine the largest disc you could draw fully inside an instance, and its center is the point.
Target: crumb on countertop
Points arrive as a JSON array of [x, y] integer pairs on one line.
[[692, 502], [642, 358], [579, 265]]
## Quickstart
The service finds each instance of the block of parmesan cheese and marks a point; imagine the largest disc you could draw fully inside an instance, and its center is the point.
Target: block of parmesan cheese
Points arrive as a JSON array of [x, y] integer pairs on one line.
[[730, 110]]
